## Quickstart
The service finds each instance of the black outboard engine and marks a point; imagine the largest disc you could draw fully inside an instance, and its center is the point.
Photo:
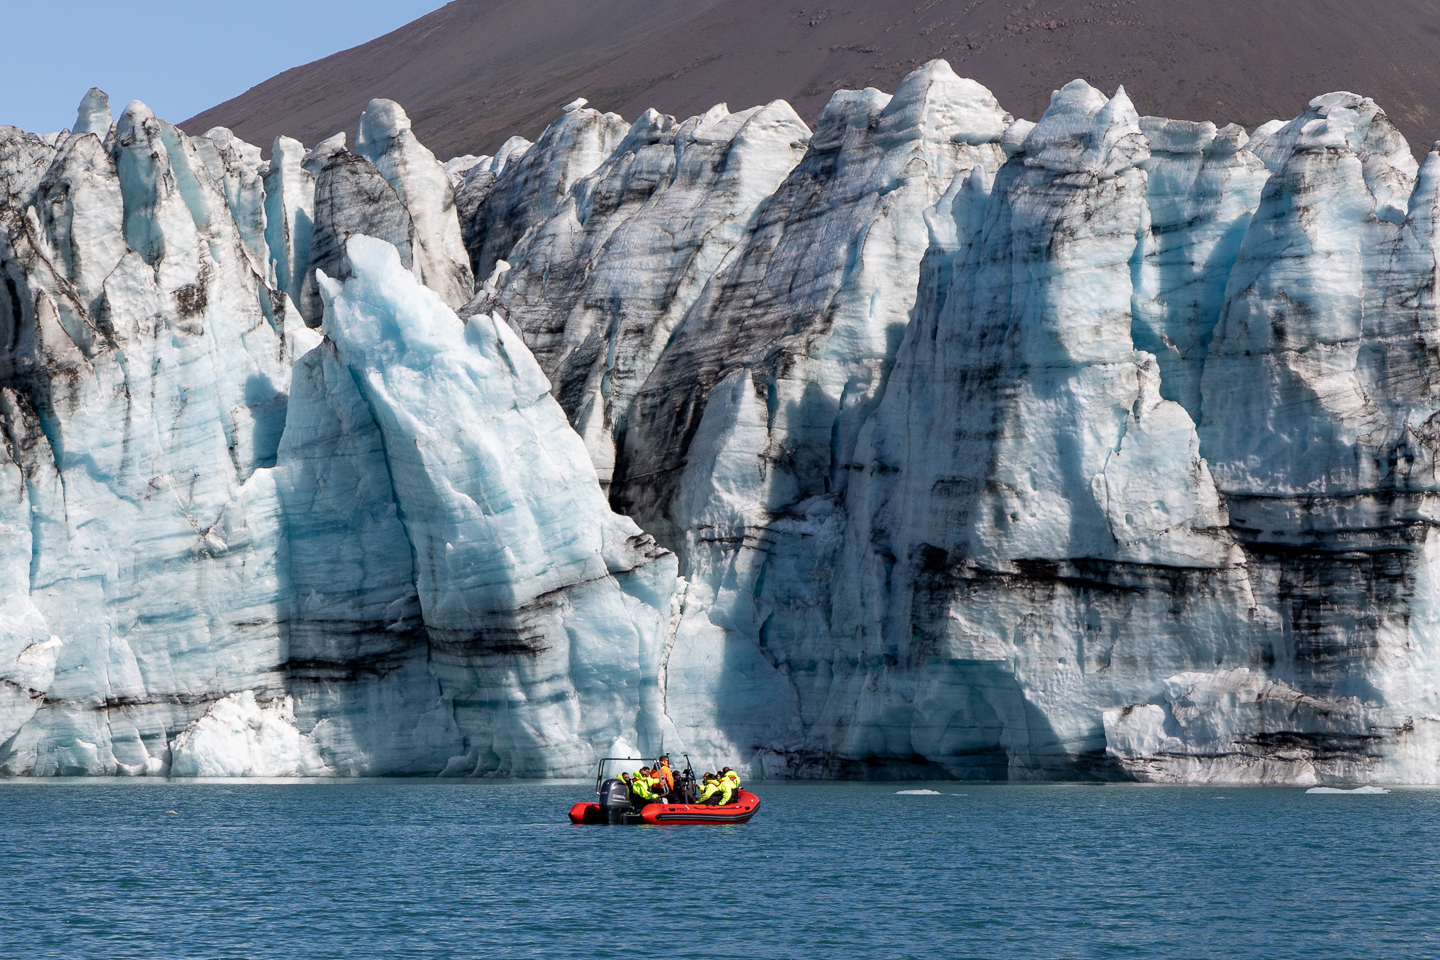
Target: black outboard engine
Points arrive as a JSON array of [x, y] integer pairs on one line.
[[614, 801]]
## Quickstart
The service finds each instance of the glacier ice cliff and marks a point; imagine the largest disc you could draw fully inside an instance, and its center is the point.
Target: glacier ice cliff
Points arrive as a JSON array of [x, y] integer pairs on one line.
[[929, 442], [385, 575]]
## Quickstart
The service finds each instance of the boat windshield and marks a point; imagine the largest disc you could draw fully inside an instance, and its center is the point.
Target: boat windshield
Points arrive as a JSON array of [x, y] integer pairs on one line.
[[614, 766], [620, 764]]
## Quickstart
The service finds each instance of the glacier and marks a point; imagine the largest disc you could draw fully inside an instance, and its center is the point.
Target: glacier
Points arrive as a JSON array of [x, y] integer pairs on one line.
[[928, 442]]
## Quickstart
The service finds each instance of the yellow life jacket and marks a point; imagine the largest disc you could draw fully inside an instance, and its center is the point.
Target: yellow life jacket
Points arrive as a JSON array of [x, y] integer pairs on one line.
[[643, 786]]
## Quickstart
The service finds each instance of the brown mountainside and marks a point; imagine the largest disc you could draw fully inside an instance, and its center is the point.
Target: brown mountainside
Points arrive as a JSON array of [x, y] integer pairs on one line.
[[477, 71]]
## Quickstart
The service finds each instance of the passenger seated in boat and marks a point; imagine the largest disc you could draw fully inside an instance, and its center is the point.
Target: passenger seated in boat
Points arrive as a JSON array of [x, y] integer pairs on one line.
[[644, 786], [710, 789], [729, 786], [666, 778]]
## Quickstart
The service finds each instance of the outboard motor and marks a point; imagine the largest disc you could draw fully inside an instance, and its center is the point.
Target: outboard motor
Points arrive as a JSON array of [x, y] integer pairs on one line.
[[614, 801]]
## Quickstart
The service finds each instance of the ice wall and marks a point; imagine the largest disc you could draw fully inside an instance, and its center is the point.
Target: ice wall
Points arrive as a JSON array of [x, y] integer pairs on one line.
[[545, 613], [942, 444], [234, 545], [145, 393], [600, 286], [1028, 533]]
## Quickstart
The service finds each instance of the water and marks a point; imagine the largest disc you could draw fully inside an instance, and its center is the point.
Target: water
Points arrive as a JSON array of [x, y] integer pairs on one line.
[[397, 869]]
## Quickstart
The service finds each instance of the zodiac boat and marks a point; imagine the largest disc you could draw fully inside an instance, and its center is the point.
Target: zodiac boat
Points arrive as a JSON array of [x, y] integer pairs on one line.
[[614, 805]]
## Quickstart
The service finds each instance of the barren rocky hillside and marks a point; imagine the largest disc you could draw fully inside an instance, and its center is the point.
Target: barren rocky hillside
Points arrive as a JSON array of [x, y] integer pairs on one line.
[[477, 71]]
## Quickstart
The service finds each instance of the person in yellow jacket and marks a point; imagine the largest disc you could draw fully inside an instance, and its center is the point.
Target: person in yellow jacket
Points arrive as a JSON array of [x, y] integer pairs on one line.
[[642, 785], [709, 790], [729, 786]]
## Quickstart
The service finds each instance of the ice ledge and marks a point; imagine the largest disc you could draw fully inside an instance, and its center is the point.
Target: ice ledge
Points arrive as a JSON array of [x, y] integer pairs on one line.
[[1236, 726]]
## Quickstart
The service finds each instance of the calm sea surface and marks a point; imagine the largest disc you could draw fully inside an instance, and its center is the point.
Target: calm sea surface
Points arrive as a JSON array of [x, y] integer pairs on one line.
[[392, 869]]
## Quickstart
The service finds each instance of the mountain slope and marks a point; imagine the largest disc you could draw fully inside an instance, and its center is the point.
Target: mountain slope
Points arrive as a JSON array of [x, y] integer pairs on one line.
[[477, 71]]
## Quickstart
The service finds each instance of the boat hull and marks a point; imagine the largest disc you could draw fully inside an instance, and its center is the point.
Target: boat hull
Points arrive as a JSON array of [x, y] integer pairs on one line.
[[586, 813], [677, 814]]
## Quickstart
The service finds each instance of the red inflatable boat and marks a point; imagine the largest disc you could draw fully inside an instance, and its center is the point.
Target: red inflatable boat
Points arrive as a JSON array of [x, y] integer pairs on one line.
[[615, 806]]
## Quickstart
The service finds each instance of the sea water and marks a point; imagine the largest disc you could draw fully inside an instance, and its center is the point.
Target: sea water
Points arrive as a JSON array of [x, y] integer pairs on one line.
[[404, 868]]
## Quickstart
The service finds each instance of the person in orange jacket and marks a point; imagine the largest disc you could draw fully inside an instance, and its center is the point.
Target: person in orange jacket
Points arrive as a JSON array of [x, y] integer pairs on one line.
[[665, 775]]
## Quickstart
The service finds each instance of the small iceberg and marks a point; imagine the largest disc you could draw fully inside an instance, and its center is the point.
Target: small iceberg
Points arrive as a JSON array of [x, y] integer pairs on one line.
[[918, 793], [1365, 789]]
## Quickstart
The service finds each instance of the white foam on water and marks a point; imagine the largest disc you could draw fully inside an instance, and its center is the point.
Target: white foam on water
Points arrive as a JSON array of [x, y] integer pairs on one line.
[[918, 793], [1365, 789]]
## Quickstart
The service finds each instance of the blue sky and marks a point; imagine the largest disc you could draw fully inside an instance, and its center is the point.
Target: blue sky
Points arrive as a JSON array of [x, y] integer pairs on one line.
[[178, 57]]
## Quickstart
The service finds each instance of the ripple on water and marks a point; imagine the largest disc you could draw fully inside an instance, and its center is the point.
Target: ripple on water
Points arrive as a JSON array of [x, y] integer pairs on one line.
[[401, 869]]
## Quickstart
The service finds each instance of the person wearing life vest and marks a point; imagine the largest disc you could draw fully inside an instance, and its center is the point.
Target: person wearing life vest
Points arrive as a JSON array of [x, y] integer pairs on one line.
[[729, 786], [710, 790], [665, 776], [642, 787]]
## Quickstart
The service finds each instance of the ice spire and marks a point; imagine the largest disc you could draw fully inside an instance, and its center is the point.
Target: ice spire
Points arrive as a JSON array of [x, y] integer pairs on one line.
[[94, 114]]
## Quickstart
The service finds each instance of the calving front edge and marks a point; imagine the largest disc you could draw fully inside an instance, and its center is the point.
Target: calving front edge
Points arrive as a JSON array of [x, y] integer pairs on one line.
[[1100, 446]]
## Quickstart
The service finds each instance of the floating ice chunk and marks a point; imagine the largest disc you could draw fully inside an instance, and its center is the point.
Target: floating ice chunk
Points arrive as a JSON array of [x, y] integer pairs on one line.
[[240, 738], [1365, 789], [623, 748]]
